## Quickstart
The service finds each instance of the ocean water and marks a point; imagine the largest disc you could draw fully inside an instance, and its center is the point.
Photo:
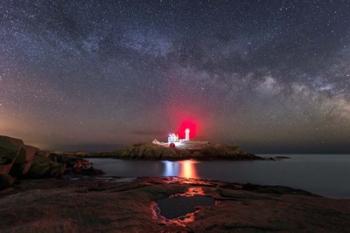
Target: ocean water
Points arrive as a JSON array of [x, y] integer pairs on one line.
[[323, 174]]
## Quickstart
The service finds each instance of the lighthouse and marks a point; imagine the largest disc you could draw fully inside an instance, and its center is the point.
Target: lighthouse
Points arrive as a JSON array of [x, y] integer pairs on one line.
[[184, 143], [187, 134]]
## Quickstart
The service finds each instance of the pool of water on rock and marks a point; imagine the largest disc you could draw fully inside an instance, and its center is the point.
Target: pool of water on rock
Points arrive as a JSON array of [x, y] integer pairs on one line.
[[175, 207], [181, 208]]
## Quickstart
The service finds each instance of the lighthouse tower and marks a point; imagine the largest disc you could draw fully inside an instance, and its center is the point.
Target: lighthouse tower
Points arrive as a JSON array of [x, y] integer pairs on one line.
[[187, 134]]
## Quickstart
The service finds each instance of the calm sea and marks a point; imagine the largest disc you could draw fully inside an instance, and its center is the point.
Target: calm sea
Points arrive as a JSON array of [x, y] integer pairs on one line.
[[326, 174]]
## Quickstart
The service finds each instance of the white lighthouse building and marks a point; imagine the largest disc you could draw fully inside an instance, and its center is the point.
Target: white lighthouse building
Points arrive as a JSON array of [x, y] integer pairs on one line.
[[184, 143], [174, 138]]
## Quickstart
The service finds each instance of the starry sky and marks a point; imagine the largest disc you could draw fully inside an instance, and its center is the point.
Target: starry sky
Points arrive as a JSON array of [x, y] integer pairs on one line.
[[271, 76]]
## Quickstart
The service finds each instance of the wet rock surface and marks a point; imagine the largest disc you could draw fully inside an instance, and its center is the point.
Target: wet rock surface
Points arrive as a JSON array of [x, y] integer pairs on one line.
[[132, 205]]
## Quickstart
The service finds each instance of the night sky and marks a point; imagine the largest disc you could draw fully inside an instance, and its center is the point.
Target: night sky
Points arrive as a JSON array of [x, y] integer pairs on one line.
[[271, 76]]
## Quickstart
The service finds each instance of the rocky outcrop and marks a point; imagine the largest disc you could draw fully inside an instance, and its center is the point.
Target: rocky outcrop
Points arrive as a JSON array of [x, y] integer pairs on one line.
[[153, 151], [18, 161]]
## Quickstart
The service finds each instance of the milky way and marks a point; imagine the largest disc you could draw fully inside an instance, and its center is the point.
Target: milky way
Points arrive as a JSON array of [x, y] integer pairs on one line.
[[272, 76]]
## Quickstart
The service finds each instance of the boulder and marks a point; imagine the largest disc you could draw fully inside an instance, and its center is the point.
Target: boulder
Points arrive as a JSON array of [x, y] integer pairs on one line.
[[11, 151], [43, 167], [29, 157], [5, 168]]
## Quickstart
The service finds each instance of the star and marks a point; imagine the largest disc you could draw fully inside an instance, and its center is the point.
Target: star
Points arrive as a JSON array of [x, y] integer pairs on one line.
[[120, 67]]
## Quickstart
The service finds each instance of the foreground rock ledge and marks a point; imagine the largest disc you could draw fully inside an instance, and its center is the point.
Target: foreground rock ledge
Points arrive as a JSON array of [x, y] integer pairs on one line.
[[117, 205]]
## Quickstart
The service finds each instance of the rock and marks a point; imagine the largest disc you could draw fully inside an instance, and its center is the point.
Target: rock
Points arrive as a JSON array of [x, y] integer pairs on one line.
[[44, 167], [12, 153], [74, 165], [30, 155], [19, 163], [43, 153], [6, 181], [20, 160], [9, 149], [10, 141], [5, 169]]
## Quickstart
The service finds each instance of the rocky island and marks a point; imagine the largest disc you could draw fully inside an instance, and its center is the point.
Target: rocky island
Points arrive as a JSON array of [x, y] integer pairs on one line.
[[177, 149], [157, 152]]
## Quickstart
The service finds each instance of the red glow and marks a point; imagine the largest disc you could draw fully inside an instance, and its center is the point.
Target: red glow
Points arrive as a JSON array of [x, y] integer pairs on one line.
[[181, 117], [187, 124]]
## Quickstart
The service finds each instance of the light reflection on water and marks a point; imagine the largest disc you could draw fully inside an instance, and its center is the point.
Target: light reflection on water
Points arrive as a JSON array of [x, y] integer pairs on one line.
[[326, 175], [170, 168], [185, 168]]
